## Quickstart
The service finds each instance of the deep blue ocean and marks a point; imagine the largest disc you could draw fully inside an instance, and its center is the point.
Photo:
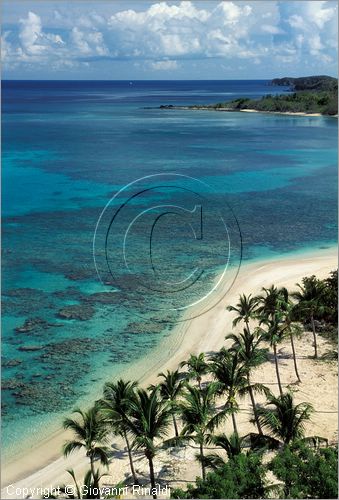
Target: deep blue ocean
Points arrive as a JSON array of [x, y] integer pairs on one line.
[[67, 149]]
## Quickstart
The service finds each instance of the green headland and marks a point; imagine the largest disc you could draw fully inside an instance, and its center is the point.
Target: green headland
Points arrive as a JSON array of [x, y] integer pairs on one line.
[[307, 95]]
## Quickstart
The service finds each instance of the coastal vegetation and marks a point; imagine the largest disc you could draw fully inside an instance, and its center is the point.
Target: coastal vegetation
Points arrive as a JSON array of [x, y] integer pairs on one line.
[[190, 406], [307, 95], [309, 102]]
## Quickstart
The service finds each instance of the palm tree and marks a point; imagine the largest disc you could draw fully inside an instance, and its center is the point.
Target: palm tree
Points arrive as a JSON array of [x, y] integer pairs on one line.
[[90, 483], [310, 299], [90, 432], [148, 420], [291, 328], [269, 302], [245, 309], [197, 367], [232, 376], [200, 418], [115, 407], [233, 445], [274, 334], [246, 345], [88, 488], [170, 390], [270, 313], [283, 418]]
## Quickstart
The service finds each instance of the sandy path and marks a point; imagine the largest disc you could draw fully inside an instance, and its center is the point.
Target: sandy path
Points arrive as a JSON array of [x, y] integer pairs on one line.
[[42, 465]]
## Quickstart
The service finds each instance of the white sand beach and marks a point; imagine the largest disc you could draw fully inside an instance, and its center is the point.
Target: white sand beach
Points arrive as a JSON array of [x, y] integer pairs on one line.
[[43, 466], [291, 113]]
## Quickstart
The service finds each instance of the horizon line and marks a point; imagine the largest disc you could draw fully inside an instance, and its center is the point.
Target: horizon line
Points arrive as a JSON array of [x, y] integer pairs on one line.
[[154, 79]]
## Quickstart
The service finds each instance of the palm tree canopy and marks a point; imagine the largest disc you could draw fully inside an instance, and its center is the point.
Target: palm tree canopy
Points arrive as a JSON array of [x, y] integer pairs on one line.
[[149, 419], [245, 308], [233, 445], [246, 344], [283, 418], [275, 330], [90, 432], [270, 302], [277, 312], [289, 314], [198, 411], [288, 307], [116, 403], [311, 296], [197, 366], [171, 385], [230, 372]]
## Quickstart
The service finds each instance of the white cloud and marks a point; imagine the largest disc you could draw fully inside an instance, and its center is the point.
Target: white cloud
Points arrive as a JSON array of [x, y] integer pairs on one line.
[[166, 34], [313, 14], [41, 46], [296, 21], [164, 65], [30, 33], [230, 12], [315, 25], [88, 42], [319, 12], [79, 41], [186, 30], [35, 46], [273, 30], [315, 44], [34, 41], [9, 54]]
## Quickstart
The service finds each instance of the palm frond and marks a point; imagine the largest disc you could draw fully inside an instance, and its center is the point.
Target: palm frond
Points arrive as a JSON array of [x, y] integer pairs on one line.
[[70, 446]]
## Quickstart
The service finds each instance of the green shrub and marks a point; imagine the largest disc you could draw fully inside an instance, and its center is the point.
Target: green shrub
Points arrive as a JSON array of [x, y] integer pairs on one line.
[[240, 477], [307, 473]]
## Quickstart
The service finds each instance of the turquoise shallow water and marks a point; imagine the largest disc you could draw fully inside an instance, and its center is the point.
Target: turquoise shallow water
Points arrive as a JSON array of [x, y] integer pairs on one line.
[[67, 149]]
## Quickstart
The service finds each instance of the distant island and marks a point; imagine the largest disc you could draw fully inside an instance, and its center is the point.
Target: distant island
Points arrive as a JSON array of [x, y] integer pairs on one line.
[[311, 95], [315, 83]]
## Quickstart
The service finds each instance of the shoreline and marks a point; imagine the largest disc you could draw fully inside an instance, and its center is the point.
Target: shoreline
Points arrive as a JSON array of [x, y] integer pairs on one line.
[[43, 463], [249, 110], [289, 113]]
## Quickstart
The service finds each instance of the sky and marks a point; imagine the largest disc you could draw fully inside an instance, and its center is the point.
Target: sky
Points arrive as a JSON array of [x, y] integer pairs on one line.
[[126, 39]]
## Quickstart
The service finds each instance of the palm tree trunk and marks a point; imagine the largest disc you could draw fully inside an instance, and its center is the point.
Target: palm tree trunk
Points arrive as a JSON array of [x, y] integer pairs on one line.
[[94, 482], [234, 422], [277, 368], [314, 338], [91, 459], [152, 477], [253, 405], [135, 479], [202, 458], [175, 426], [294, 358]]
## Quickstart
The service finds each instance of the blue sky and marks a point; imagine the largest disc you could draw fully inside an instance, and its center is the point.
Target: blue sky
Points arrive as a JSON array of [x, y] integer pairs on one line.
[[168, 40]]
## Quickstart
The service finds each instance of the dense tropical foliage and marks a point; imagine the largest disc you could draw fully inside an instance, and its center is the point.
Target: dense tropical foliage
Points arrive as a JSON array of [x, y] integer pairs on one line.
[[306, 472], [324, 102], [241, 477]]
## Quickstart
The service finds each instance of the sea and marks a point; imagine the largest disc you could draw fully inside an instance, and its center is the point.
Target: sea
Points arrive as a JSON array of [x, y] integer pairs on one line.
[[119, 216]]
